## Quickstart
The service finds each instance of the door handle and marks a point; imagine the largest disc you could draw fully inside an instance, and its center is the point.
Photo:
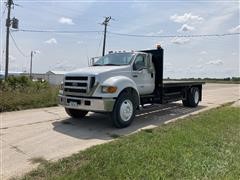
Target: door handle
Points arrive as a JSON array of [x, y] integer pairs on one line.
[[135, 75]]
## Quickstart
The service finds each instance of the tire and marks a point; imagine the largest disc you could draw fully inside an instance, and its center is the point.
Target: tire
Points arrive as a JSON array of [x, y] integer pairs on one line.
[[124, 110], [185, 103], [75, 113], [193, 97]]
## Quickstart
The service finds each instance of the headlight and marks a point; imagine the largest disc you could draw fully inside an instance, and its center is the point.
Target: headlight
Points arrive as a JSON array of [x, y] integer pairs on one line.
[[109, 89]]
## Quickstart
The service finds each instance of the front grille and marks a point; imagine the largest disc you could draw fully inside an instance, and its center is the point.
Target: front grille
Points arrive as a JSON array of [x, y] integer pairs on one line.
[[75, 90], [80, 78], [78, 85]]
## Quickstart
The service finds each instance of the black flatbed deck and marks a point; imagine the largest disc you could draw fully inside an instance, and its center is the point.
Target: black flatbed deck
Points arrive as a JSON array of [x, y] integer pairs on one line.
[[168, 91], [181, 83]]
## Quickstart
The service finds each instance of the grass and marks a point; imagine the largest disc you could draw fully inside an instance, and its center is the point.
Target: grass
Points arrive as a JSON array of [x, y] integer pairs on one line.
[[19, 100], [222, 82], [205, 146], [21, 93]]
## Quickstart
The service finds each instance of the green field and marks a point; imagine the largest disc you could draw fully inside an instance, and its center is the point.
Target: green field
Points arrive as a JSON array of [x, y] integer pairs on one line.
[[19, 93], [204, 146]]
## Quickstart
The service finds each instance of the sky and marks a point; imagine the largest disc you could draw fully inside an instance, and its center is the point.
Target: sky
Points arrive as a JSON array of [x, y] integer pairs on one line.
[[215, 57]]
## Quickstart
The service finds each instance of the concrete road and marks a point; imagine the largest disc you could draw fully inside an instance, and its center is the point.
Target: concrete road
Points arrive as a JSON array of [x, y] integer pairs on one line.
[[50, 134]]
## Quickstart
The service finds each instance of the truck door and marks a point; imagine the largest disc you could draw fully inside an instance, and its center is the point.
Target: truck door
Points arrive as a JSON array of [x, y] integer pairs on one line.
[[142, 75]]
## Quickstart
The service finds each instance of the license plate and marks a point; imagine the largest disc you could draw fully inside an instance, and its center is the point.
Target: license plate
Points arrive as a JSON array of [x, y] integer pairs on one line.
[[73, 104]]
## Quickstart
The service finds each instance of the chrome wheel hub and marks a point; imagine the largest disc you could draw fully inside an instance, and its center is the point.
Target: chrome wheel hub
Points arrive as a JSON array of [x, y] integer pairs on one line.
[[126, 110], [196, 97]]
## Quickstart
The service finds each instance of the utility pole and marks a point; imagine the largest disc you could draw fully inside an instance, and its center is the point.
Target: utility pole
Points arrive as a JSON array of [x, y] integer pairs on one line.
[[30, 72], [105, 23], [8, 24]]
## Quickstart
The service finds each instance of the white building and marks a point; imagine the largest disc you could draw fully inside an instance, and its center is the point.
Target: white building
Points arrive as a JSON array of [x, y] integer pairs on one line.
[[55, 77]]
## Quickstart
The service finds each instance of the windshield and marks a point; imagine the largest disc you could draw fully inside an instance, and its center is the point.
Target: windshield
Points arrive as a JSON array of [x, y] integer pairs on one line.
[[116, 59]]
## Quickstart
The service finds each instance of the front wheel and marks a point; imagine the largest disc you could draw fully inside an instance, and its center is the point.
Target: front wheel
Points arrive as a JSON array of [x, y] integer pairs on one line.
[[124, 110], [75, 113]]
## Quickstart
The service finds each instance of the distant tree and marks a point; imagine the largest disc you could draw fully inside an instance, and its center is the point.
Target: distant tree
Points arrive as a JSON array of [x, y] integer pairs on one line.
[[227, 79], [235, 78]]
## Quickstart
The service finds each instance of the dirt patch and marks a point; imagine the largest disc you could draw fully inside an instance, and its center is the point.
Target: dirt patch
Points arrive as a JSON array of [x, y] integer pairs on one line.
[[40, 160]]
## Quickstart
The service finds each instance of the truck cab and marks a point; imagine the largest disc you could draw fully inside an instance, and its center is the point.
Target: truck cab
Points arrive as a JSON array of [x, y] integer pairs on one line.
[[118, 83], [136, 66]]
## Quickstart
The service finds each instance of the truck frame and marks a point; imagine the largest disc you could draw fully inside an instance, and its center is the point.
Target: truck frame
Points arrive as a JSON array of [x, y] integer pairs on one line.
[[119, 94]]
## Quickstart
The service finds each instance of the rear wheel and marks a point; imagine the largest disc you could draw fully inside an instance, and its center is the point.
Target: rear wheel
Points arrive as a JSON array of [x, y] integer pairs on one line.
[[75, 113], [193, 97], [124, 110], [185, 102]]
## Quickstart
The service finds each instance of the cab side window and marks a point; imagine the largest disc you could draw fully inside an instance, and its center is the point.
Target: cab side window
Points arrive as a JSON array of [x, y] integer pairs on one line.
[[140, 62]]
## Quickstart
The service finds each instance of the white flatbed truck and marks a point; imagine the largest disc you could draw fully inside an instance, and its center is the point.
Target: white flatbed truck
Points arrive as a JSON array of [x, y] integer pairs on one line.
[[120, 83]]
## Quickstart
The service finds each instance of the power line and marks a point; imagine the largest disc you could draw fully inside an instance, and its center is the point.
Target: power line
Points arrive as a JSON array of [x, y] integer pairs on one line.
[[125, 34], [55, 31], [17, 47], [173, 36]]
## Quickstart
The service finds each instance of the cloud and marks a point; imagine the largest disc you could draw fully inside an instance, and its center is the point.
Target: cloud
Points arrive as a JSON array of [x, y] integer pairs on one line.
[[51, 41], [187, 17], [216, 62], [186, 28], [64, 20], [180, 41], [235, 29], [203, 52]]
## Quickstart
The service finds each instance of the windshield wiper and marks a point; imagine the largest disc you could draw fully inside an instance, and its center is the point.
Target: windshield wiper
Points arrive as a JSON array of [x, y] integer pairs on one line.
[[97, 64]]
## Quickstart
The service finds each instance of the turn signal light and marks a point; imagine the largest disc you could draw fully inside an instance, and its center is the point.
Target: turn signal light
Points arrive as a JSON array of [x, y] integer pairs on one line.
[[109, 89]]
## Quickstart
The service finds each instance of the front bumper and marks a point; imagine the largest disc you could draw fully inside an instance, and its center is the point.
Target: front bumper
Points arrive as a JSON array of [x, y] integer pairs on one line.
[[89, 104]]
